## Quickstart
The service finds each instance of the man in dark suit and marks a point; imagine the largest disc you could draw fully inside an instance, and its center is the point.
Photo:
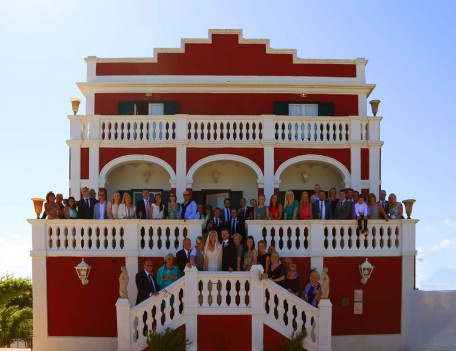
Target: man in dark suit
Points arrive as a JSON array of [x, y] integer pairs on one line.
[[237, 226], [244, 212], [321, 209], [145, 282], [143, 205], [383, 202], [228, 253], [183, 256], [343, 208], [218, 223], [226, 211], [86, 205]]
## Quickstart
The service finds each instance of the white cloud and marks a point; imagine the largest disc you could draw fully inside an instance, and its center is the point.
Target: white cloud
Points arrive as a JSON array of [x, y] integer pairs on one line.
[[441, 245], [449, 222]]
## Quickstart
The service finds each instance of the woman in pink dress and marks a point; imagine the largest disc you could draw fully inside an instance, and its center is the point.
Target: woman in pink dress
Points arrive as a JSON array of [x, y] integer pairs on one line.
[[304, 211]]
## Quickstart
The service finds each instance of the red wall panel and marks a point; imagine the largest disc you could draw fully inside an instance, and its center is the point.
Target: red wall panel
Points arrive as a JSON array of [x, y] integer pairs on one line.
[[382, 295], [226, 104], [225, 56], [225, 333], [341, 155], [77, 310], [167, 154], [196, 154], [364, 163], [84, 163]]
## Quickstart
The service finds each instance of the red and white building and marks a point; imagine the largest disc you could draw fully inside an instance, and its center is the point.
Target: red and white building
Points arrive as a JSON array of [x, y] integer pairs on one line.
[[223, 117]]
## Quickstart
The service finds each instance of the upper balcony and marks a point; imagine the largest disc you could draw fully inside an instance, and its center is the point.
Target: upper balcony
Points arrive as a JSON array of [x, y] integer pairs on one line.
[[254, 131]]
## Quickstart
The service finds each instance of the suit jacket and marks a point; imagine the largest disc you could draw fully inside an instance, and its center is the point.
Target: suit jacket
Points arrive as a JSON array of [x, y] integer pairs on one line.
[[144, 287], [316, 210], [96, 211], [182, 260], [245, 216], [386, 208], [343, 211], [218, 228], [224, 217], [84, 211], [141, 207], [240, 228], [228, 257]]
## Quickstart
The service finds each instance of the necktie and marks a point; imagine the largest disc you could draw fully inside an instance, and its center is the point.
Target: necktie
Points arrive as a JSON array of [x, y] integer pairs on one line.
[[188, 256], [216, 222], [223, 244], [146, 205], [227, 215], [233, 227], [321, 210], [243, 213], [87, 202], [151, 281]]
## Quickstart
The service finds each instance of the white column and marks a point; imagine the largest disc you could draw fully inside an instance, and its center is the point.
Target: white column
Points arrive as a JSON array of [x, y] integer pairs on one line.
[[94, 160], [374, 170], [91, 68], [75, 168], [131, 249], [90, 104], [123, 325], [39, 285], [355, 156], [362, 104], [317, 248], [408, 272], [361, 70], [325, 325], [268, 155], [191, 306], [257, 305], [181, 155]]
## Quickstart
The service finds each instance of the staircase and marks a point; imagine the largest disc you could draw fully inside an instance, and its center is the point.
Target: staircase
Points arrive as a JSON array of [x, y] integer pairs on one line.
[[223, 293]]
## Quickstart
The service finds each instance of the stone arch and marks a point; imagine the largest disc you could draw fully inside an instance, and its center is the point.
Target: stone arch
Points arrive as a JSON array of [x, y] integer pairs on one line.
[[223, 157], [106, 170], [345, 174]]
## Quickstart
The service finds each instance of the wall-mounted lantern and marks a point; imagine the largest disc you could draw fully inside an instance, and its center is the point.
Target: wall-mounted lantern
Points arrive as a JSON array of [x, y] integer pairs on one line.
[[365, 269], [83, 271]]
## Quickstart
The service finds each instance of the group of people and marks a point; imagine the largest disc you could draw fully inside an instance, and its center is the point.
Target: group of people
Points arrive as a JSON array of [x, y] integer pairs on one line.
[[229, 254]]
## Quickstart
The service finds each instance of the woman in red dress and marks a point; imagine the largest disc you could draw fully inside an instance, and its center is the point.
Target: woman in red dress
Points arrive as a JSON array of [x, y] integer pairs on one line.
[[304, 211], [274, 211]]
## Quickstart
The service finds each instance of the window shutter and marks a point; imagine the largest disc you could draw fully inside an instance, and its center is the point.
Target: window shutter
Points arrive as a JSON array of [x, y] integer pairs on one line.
[[171, 107], [126, 108], [281, 108], [326, 109]]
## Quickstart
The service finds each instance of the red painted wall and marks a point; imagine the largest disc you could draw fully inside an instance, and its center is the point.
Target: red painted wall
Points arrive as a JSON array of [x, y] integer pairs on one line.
[[109, 154], [227, 104], [77, 310], [272, 341], [382, 295], [225, 333], [341, 155], [225, 56], [364, 163], [84, 163], [196, 154]]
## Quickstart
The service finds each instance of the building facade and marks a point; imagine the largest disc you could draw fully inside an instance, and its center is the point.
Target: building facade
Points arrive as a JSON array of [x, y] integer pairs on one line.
[[223, 117]]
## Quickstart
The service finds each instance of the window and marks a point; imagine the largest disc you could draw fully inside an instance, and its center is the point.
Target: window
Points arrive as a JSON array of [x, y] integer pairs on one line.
[[303, 109], [156, 109]]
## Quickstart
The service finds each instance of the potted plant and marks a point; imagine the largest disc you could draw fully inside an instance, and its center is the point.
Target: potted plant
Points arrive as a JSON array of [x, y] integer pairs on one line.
[[168, 340], [296, 341]]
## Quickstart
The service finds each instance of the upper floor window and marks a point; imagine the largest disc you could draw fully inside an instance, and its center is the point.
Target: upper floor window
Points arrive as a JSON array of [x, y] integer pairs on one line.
[[148, 108], [303, 109]]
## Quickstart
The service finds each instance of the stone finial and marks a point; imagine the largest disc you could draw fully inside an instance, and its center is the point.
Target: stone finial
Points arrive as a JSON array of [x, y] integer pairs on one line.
[[123, 283], [325, 283]]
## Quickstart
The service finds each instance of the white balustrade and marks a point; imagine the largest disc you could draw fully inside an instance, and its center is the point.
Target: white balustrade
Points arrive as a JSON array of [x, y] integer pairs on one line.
[[220, 128], [155, 238]]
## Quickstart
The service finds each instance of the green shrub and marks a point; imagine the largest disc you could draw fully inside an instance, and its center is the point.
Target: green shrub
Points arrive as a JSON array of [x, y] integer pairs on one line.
[[168, 340]]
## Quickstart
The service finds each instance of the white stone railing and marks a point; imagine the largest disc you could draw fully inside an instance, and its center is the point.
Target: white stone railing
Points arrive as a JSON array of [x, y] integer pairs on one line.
[[222, 293], [156, 238], [224, 129]]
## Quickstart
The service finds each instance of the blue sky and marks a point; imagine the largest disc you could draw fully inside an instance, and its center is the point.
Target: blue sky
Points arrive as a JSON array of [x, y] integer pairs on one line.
[[410, 46]]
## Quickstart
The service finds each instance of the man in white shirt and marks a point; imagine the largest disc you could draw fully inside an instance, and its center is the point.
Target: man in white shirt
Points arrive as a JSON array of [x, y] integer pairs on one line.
[[188, 207], [100, 210]]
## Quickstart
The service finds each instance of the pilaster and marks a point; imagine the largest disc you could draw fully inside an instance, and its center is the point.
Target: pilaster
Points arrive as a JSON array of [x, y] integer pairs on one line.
[[374, 170], [355, 157]]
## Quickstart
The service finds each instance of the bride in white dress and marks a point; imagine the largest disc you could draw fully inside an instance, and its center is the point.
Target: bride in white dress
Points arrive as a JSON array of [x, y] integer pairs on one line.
[[213, 253]]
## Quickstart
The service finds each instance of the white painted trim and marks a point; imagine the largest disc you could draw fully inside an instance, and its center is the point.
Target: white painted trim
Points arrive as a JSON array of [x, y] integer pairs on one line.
[[312, 157], [224, 157], [134, 158], [241, 40], [224, 87]]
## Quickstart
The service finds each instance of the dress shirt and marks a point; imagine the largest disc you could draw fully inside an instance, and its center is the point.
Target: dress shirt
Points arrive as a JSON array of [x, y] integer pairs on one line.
[[322, 210]]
